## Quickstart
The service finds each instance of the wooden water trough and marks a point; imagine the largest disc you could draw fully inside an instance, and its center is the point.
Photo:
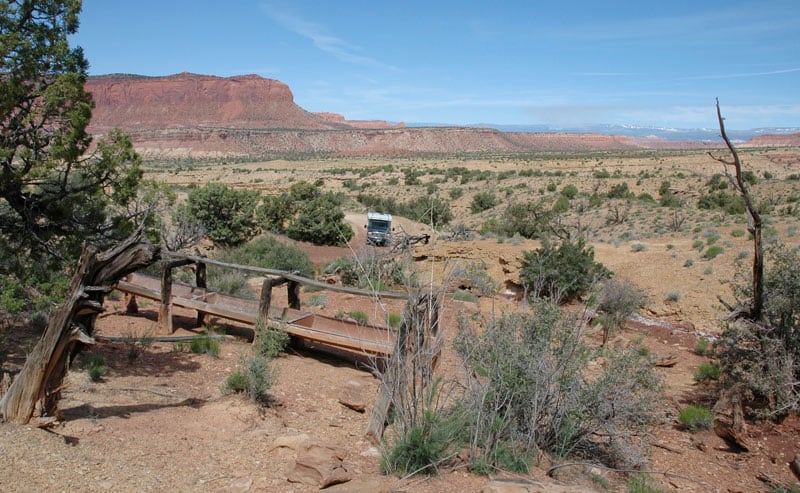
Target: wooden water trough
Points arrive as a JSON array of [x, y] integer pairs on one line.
[[308, 327]]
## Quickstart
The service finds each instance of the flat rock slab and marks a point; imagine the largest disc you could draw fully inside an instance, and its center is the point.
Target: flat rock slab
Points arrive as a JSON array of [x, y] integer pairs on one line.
[[319, 464]]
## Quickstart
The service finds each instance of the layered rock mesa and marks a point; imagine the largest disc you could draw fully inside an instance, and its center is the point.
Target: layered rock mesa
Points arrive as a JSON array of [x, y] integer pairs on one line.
[[190, 115], [136, 103]]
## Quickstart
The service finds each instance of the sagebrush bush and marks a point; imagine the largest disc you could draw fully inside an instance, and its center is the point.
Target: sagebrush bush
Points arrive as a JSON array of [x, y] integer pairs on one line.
[[529, 392], [696, 418], [254, 379]]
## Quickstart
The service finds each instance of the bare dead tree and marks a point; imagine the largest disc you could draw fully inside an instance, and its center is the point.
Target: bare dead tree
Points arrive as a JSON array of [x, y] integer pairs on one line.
[[754, 224], [36, 390]]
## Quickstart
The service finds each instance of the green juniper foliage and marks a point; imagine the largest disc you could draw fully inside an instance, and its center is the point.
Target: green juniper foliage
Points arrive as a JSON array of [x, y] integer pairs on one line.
[[52, 197]]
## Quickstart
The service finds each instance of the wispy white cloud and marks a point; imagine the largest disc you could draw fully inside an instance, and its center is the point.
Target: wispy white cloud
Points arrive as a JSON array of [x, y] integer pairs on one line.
[[333, 45], [743, 74]]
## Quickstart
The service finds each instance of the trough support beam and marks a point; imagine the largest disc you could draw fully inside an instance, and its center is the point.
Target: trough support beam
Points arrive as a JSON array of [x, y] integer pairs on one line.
[[165, 310], [294, 294], [200, 278]]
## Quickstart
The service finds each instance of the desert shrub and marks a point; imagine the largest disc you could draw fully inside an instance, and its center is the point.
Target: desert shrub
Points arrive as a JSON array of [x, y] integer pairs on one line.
[[428, 210], [763, 357], [275, 213], [638, 247], [456, 193], [737, 233], [368, 270], [227, 214], [476, 276], [696, 418], [528, 390], [569, 191], [483, 201], [643, 483], [205, 345], [730, 203], [674, 296], [316, 300], [270, 253], [561, 273], [561, 205], [618, 300], [619, 191], [713, 251], [320, 221], [96, 367], [359, 316], [702, 346], [467, 296], [421, 448], [254, 378], [688, 263], [707, 371], [270, 341], [394, 320], [529, 219]]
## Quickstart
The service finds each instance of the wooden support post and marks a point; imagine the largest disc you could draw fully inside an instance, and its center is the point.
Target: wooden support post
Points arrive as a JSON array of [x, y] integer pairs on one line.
[[266, 299], [294, 294], [200, 278], [165, 310], [131, 307]]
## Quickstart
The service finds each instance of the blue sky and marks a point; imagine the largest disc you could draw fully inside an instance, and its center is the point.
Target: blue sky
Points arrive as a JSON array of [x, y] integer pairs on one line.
[[521, 62]]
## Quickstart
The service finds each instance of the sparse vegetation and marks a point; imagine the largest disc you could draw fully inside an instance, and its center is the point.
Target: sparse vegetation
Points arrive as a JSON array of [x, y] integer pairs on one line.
[[696, 418]]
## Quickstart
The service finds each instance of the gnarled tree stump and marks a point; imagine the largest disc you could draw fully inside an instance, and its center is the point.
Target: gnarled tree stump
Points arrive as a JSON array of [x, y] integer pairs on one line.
[[37, 389]]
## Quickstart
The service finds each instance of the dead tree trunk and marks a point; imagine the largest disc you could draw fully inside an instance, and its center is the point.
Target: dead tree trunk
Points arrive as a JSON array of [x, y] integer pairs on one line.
[[407, 384], [37, 389], [754, 224]]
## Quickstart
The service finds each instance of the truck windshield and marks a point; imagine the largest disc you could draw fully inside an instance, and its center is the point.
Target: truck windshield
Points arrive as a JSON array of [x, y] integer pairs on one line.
[[378, 226]]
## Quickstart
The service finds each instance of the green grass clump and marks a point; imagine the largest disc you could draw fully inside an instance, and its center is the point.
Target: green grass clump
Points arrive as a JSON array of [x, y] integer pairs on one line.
[[205, 345], [702, 346], [642, 483], [708, 371], [393, 320], [696, 418], [461, 295], [359, 316], [96, 367]]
